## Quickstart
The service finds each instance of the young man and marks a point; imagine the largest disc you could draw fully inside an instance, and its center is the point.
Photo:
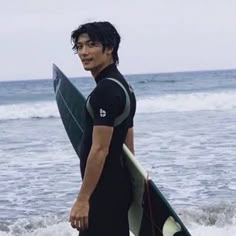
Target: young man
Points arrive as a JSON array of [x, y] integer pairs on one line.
[[101, 208]]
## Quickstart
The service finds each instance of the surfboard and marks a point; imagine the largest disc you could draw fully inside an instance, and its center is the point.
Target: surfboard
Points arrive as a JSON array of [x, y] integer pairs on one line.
[[150, 213]]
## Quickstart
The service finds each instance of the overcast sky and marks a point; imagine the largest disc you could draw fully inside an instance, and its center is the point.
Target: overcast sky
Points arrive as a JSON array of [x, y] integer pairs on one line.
[[157, 35]]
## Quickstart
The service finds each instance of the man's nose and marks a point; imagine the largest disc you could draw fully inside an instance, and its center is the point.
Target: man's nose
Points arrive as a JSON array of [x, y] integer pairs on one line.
[[84, 50]]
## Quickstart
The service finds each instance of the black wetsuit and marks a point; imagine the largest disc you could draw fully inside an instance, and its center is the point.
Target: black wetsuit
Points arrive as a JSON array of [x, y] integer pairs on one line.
[[110, 201]]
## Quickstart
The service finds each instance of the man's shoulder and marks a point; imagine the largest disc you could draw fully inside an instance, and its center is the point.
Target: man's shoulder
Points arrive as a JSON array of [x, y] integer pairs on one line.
[[110, 84]]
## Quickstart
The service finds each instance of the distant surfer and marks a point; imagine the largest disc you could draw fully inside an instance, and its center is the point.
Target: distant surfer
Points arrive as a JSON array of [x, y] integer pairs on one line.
[[101, 207]]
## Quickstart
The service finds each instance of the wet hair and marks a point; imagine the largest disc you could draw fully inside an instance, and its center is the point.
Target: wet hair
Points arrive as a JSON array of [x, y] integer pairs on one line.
[[103, 32]]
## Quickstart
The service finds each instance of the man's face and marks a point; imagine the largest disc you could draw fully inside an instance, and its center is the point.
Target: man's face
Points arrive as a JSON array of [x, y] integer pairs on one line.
[[92, 55]]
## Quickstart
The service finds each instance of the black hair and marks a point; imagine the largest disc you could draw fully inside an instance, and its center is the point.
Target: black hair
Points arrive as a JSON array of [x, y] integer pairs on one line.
[[103, 32]]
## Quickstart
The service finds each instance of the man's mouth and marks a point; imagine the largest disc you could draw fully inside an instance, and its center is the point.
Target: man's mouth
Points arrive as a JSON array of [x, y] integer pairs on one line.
[[86, 61]]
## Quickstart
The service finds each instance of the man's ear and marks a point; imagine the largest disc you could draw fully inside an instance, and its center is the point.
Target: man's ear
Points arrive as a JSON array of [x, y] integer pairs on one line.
[[109, 51]]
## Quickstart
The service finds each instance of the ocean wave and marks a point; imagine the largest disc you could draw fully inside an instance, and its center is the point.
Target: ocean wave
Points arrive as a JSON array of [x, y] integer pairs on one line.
[[166, 81], [38, 226], [188, 102], [34, 110], [164, 103], [220, 215], [215, 220]]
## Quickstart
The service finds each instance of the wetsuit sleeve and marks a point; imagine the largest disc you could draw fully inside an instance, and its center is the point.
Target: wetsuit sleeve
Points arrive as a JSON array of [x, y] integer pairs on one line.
[[107, 102]]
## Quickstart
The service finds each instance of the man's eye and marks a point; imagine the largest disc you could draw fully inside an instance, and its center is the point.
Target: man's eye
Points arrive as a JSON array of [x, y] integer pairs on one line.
[[91, 44], [79, 46]]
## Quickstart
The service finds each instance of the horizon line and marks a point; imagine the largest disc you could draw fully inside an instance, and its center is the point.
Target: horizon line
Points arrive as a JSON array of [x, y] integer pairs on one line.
[[128, 74]]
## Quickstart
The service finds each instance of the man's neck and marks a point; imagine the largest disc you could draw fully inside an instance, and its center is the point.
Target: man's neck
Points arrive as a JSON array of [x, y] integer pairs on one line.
[[97, 70]]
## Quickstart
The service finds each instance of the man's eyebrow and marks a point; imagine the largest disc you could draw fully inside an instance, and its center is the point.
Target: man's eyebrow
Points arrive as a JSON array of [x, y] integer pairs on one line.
[[87, 41]]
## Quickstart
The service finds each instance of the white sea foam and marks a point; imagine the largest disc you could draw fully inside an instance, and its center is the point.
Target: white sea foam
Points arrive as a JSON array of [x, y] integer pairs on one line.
[[165, 103], [24, 228], [29, 110], [188, 102], [215, 220], [201, 230]]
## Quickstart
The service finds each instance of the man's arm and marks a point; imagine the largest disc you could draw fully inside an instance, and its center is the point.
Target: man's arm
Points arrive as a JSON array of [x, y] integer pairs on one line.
[[129, 140], [100, 146]]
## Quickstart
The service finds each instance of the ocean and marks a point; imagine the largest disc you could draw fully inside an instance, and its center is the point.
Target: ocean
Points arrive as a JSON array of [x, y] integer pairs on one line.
[[185, 137]]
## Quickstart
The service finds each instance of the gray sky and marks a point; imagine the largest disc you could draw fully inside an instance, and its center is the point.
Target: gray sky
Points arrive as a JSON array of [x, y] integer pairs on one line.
[[157, 35]]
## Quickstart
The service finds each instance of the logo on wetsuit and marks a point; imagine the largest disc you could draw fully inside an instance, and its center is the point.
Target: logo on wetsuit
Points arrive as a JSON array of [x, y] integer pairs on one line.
[[102, 113]]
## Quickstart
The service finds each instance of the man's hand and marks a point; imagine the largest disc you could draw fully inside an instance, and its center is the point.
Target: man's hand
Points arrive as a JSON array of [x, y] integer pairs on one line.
[[79, 214]]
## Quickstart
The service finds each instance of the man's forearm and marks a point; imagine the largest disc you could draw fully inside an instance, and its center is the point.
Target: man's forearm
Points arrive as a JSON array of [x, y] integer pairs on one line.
[[93, 171]]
